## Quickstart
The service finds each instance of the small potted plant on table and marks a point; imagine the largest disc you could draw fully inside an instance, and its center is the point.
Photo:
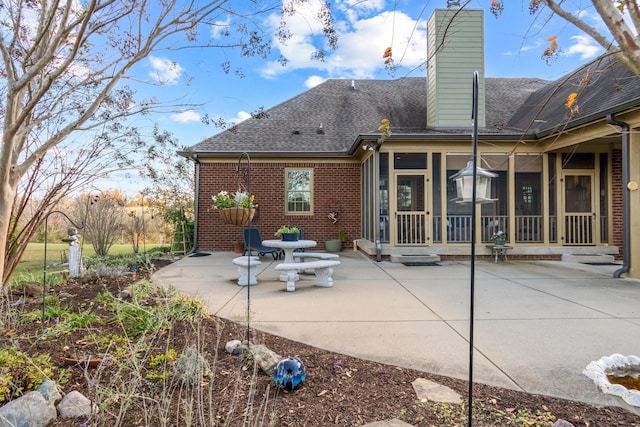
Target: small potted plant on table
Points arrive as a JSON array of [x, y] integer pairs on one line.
[[499, 238], [288, 234]]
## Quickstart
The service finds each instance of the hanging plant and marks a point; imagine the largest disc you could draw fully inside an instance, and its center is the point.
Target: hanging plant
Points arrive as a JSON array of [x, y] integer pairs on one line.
[[238, 208]]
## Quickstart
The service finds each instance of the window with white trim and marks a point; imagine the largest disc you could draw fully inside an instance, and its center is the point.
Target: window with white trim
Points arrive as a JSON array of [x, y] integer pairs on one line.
[[299, 191]]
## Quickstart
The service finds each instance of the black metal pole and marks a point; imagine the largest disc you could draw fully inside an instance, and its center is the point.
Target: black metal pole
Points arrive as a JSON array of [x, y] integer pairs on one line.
[[246, 176], [473, 241]]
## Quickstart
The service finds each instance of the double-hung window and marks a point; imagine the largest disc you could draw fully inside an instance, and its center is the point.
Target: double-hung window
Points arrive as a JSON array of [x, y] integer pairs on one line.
[[299, 191]]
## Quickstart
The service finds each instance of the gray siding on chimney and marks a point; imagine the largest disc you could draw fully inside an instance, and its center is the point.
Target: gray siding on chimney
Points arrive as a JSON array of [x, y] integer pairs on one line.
[[455, 49]]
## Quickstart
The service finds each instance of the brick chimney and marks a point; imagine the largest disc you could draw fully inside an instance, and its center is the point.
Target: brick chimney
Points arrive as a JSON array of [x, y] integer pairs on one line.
[[455, 49]]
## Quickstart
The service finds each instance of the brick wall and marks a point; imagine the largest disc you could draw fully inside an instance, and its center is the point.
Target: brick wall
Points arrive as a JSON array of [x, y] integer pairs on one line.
[[336, 187], [616, 199]]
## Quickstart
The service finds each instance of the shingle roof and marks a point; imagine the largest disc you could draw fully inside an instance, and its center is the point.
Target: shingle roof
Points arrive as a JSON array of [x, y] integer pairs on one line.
[[602, 87], [328, 118]]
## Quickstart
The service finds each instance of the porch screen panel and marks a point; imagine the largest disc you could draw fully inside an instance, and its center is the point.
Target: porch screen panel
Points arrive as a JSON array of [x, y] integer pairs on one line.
[[495, 216], [528, 198], [436, 198], [368, 212], [458, 216], [578, 161], [552, 188], [409, 161], [604, 198], [384, 198]]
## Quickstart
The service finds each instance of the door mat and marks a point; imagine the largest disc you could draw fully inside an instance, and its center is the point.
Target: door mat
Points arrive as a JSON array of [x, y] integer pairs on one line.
[[421, 264], [197, 254]]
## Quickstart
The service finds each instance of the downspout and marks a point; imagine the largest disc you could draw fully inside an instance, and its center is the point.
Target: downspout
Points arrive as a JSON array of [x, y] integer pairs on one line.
[[626, 219], [195, 204], [376, 189]]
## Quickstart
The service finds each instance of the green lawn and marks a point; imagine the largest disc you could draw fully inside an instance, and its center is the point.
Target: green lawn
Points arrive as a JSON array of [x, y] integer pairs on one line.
[[32, 262]]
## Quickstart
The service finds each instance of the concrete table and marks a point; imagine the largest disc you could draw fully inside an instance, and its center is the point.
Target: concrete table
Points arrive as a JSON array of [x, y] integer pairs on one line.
[[288, 247]]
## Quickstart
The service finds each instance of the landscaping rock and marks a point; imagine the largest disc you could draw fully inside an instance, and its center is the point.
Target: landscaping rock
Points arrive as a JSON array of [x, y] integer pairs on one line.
[[30, 410], [429, 390], [265, 358], [74, 405], [234, 347], [49, 390], [562, 423]]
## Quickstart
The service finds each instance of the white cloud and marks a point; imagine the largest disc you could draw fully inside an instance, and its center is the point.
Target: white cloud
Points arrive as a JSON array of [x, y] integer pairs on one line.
[[186, 116], [535, 46], [313, 81], [220, 28], [241, 116], [164, 71], [360, 47], [584, 46]]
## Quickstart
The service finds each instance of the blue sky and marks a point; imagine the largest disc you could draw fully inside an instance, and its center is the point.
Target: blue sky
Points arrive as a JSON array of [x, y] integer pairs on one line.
[[514, 43]]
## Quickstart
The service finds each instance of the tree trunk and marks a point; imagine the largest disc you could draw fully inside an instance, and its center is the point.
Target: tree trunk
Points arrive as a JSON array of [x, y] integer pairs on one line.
[[7, 195]]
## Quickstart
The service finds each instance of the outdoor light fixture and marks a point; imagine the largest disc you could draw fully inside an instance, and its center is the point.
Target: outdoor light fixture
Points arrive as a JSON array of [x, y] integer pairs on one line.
[[464, 184]]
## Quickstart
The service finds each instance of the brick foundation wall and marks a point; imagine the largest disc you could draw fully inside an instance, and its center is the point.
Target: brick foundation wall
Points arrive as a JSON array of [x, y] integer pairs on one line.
[[336, 187]]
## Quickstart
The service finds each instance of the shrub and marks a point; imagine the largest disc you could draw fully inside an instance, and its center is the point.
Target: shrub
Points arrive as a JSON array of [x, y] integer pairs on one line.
[[20, 373]]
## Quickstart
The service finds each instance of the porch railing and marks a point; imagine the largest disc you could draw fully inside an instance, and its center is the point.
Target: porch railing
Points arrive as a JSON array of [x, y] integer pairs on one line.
[[529, 228], [492, 224], [411, 228], [578, 229], [458, 228]]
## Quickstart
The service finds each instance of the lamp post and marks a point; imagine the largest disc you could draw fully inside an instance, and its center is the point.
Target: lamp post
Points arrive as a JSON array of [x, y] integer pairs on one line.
[[473, 186]]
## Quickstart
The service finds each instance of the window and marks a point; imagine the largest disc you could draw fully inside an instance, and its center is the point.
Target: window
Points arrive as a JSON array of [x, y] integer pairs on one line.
[[299, 187], [527, 195]]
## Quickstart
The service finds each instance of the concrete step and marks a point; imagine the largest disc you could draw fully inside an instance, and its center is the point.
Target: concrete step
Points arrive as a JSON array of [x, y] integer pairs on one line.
[[415, 259]]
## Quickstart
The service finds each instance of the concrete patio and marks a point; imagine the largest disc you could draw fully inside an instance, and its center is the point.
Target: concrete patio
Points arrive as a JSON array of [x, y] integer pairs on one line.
[[537, 324]]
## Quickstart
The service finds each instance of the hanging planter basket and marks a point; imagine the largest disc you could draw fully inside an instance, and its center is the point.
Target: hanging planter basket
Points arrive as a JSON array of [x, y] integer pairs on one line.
[[237, 216]]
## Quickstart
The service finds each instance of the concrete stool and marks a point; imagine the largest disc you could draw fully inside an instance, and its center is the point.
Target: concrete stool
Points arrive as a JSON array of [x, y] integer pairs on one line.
[[246, 276]]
